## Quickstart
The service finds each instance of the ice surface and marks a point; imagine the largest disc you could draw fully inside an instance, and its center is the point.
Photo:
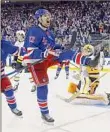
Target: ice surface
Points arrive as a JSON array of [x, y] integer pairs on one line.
[[68, 117]]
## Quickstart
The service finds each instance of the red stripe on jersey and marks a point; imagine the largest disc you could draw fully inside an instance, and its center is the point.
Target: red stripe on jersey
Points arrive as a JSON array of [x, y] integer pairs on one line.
[[29, 50], [67, 63], [78, 58], [60, 66], [26, 58]]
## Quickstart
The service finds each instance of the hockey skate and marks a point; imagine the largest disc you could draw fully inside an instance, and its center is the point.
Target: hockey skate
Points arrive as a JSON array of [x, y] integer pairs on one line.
[[17, 112], [67, 77], [33, 89], [108, 97], [55, 77], [47, 119], [15, 88]]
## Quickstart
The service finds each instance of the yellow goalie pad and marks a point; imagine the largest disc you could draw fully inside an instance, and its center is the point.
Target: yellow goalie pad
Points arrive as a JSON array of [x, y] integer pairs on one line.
[[72, 87], [85, 88], [94, 87]]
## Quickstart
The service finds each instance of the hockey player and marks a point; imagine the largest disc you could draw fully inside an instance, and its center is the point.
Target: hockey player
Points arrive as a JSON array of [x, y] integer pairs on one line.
[[87, 81], [60, 66], [6, 87], [20, 35], [40, 45]]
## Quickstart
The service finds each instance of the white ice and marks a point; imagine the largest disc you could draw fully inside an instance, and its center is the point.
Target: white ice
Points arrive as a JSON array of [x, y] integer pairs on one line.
[[68, 117]]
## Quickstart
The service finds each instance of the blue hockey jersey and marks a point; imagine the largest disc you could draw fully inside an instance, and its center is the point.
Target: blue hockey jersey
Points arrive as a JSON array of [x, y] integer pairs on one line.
[[8, 48], [36, 42]]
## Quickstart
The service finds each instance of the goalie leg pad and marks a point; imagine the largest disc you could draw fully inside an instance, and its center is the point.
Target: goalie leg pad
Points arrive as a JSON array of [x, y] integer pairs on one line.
[[72, 87], [86, 85], [94, 85]]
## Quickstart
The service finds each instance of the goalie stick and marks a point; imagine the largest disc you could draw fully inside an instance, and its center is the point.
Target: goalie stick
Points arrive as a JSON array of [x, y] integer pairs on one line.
[[75, 95]]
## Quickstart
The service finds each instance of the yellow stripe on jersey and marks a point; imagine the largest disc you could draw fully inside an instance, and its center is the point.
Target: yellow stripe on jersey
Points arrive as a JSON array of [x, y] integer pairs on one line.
[[93, 72]]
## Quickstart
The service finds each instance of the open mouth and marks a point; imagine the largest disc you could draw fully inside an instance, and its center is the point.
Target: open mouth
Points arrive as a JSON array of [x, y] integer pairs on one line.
[[48, 21]]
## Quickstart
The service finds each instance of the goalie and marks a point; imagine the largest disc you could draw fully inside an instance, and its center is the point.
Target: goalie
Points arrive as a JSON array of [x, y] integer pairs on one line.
[[87, 80]]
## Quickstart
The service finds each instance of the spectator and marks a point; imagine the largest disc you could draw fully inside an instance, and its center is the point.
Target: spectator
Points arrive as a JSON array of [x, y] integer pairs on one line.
[[87, 17]]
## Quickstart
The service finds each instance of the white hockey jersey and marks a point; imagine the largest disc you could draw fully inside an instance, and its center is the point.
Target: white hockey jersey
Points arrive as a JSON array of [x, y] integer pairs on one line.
[[19, 44]]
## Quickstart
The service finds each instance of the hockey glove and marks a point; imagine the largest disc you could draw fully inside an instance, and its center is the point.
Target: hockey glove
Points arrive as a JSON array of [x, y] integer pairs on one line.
[[55, 52], [19, 63], [95, 61], [13, 64]]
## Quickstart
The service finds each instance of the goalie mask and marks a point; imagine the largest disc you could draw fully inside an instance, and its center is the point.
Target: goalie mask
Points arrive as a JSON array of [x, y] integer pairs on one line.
[[88, 50], [20, 35], [44, 17]]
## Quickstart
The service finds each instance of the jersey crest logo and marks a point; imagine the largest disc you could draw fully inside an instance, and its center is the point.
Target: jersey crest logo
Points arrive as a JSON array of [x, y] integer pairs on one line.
[[32, 39]]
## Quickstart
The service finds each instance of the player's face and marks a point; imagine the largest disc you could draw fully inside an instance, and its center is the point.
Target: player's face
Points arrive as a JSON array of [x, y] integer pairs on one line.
[[45, 20]]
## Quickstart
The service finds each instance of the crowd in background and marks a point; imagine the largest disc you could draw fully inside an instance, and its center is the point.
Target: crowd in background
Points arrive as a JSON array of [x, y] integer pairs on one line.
[[88, 18]]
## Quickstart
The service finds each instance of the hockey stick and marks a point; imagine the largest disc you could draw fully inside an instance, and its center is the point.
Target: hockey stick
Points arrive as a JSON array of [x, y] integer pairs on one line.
[[25, 68], [73, 40], [75, 95], [20, 70], [8, 74], [74, 65]]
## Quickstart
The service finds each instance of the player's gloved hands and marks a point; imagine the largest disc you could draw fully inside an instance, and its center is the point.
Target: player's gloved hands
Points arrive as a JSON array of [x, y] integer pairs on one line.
[[13, 64], [18, 66], [19, 63], [45, 53], [58, 46], [55, 52], [94, 62]]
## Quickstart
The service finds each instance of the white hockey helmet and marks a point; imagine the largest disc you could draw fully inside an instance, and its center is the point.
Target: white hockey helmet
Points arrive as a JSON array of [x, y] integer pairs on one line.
[[20, 34]]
